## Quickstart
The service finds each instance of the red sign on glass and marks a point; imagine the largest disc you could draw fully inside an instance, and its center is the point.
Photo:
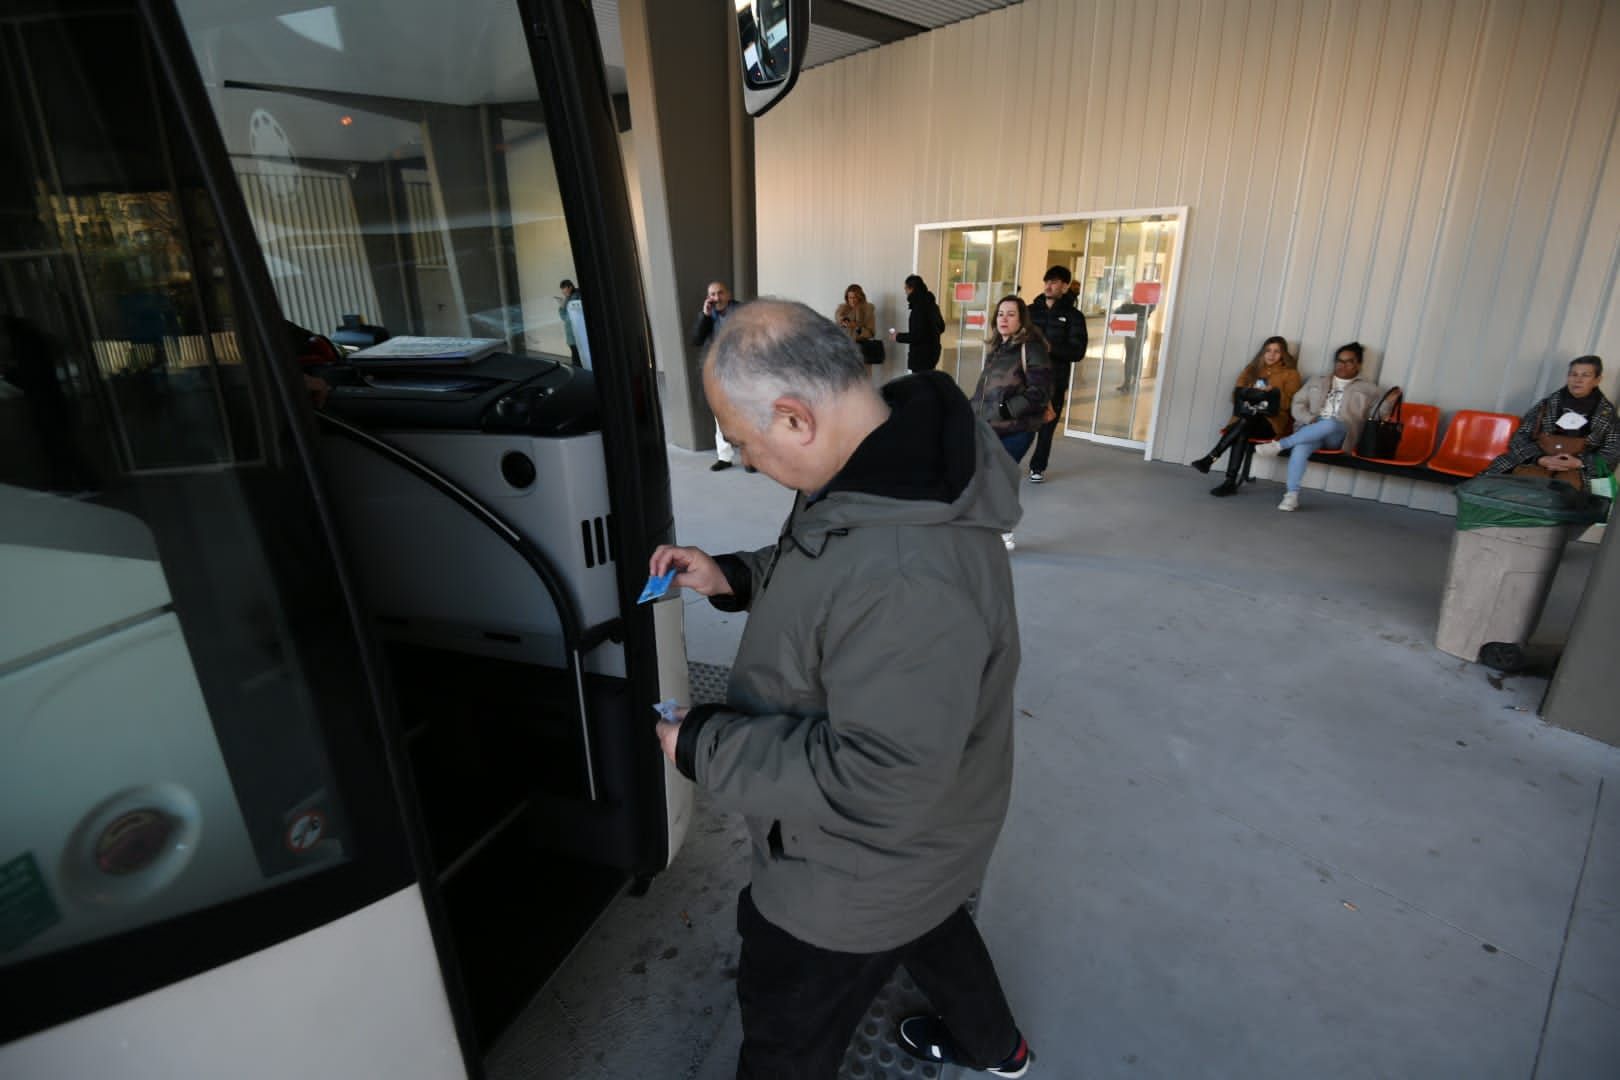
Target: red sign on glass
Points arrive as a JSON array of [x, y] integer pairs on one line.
[[1147, 292], [965, 291], [973, 320], [1123, 325]]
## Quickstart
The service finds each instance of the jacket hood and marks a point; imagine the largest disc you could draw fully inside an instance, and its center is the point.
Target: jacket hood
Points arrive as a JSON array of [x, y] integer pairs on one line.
[[918, 296], [930, 463]]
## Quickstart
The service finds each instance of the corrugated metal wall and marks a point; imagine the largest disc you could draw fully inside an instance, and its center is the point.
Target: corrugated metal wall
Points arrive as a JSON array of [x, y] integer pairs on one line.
[[306, 223], [1440, 180]]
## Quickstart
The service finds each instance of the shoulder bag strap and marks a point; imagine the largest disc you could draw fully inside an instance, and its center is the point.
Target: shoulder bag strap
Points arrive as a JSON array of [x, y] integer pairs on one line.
[[1394, 416]]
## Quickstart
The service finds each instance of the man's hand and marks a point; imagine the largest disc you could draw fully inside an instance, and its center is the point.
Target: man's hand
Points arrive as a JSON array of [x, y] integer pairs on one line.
[[697, 569], [708, 306], [1559, 462], [669, 734]]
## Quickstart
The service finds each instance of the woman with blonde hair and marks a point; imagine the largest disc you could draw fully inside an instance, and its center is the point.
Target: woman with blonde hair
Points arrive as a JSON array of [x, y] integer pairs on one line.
[[858, 319], [1015, 387], [1260, 402]]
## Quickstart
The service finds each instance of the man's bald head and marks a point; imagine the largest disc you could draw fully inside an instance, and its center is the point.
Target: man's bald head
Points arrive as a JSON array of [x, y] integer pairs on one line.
[[780, 348], [789, 390]]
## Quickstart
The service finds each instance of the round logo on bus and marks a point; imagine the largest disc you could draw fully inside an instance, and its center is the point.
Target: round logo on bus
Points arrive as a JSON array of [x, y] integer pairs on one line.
[[133, 841]]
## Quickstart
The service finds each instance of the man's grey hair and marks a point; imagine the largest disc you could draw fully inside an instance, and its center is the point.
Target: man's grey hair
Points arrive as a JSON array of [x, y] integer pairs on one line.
[[773, 348]]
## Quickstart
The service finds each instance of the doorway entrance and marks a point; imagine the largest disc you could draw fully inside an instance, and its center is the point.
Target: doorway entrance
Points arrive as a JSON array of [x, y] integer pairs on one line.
[[1124, 267]]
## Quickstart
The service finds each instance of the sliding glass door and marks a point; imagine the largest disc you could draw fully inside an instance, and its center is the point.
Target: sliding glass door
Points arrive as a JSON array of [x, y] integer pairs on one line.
[[1122, 265]]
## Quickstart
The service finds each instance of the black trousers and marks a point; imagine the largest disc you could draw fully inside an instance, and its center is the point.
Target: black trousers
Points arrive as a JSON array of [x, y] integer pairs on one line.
[[1062, 372], [800, 1004]]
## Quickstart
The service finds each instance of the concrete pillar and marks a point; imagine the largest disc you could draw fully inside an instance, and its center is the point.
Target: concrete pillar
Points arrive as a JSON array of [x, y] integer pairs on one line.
[[694, 161], [1585, 692]]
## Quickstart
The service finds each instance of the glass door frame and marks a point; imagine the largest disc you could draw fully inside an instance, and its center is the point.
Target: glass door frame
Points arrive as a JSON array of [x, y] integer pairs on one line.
[[1178, 214]]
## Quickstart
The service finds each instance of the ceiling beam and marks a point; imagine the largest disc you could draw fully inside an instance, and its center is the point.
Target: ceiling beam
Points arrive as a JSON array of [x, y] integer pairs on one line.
[[862, 22]]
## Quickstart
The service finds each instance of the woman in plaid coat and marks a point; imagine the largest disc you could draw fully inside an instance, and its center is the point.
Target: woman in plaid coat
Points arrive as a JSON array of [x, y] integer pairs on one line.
[[1577, 410]]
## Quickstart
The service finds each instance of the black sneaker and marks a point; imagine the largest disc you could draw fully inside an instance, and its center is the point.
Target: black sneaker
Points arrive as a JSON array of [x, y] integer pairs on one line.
[[1037, 477], [719, 466], [925, 1038]]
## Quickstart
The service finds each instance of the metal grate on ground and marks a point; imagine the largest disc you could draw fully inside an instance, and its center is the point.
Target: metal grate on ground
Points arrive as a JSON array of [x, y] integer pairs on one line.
[[873, 1053]]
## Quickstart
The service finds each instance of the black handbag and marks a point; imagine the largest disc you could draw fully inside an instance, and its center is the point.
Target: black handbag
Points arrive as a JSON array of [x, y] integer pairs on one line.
[[871, 350], [1382, 438]]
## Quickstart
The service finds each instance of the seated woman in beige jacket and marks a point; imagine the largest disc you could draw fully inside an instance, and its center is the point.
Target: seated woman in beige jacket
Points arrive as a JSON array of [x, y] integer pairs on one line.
[[1328, 412]]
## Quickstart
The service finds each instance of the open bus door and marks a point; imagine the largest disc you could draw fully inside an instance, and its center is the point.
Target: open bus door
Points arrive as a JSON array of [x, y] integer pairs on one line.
[[275, 800]]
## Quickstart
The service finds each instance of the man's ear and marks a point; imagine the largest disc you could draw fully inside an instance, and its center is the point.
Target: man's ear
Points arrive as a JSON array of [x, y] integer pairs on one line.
[[796, 417]]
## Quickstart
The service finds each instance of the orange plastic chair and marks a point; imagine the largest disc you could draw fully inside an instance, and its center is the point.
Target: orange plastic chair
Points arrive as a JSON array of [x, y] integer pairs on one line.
[[1419, 436], [1472, 440]]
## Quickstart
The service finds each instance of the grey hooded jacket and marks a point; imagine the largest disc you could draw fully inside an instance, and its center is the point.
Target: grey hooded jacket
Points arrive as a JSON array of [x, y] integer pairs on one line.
[[867, 732]]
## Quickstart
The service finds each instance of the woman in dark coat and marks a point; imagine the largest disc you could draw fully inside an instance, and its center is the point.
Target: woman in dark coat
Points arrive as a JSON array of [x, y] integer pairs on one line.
[[923, 328], [1015, 386]]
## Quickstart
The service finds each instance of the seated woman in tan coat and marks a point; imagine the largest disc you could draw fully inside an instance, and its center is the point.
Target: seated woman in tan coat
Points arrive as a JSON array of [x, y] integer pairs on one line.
[[858, 318], [1265, 389]]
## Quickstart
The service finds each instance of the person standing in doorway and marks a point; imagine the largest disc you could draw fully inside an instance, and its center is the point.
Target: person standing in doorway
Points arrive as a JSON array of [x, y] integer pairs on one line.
[[718, 306], [569, 291], [922, 328], [1056, 316], [874, 769]]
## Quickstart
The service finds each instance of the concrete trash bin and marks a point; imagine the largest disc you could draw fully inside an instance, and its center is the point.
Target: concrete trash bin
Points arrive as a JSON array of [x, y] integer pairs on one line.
[[1511, 534]]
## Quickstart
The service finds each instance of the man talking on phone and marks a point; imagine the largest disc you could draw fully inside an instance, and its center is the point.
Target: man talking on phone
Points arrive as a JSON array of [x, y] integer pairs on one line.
[[717, 308]]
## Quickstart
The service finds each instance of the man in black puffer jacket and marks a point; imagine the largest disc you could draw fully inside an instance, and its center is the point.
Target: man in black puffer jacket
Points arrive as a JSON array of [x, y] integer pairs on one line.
[[1054, 313], [922, 329]]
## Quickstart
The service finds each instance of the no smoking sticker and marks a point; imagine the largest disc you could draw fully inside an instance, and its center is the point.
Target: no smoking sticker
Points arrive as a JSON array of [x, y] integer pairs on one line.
[[305, 832]]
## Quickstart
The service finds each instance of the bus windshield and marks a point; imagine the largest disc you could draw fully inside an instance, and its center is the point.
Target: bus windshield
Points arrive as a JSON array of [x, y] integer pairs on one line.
[[395, 162]]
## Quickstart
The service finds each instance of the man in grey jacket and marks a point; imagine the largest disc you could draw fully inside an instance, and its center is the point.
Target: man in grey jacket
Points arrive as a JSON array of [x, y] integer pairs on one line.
[[867, 730]]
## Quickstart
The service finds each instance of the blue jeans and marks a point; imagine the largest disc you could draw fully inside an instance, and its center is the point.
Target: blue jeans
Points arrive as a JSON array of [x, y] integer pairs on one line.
[[1018, 443], [1312, 437]]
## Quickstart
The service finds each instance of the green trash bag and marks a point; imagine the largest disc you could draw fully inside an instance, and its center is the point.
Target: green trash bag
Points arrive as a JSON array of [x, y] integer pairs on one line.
[[1519, 502]]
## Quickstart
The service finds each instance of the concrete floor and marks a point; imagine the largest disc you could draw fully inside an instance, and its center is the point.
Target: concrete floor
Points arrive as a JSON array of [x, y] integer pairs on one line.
[[1260, 826]]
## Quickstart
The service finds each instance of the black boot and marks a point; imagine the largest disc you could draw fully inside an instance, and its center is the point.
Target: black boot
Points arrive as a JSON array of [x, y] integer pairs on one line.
[[1229, 436], [1236, 457]]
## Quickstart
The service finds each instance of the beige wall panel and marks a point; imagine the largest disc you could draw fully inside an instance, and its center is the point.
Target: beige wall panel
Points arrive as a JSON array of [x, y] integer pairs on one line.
[[1367, 485], [1374, 108], [1515, 334], [1057, 105], [1561, 180], [1498, 122], [1440, 180], [1416, 331], [1194, 399], [1408, 198], [1589, 215]]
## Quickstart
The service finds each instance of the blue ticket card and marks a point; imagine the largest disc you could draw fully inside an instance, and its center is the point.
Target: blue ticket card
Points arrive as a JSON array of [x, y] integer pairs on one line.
[[657, 585], [666, 710]]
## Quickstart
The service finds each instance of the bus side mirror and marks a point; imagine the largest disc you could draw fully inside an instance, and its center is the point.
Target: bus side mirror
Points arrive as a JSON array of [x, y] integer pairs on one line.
[[771, 37]]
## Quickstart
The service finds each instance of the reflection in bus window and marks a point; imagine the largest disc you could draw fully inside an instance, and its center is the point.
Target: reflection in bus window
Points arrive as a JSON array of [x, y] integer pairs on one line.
[[162, 751], [392, 181]]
